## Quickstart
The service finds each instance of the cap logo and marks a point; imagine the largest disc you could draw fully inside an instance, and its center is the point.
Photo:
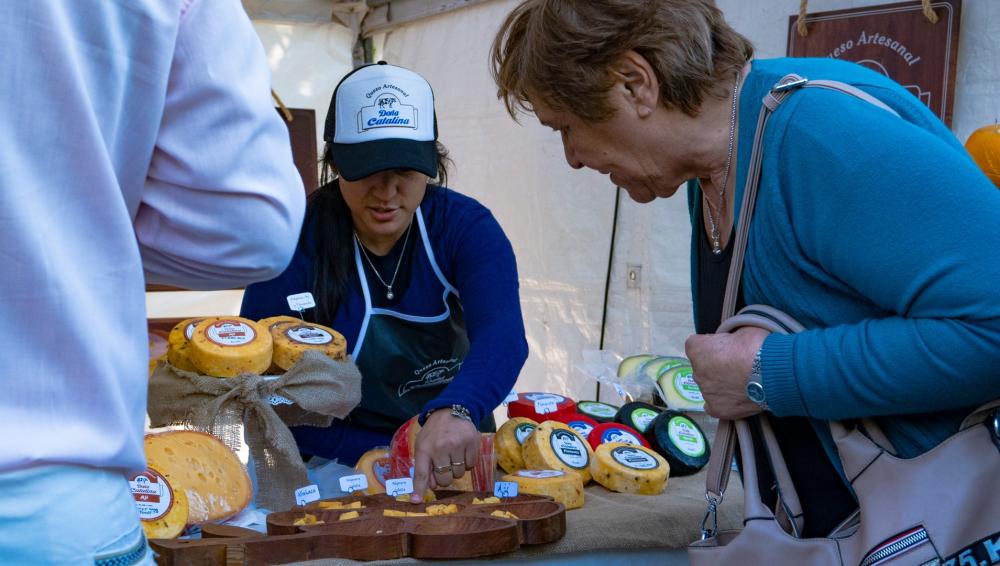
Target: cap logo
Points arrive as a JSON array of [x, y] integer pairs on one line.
[[387, 112]]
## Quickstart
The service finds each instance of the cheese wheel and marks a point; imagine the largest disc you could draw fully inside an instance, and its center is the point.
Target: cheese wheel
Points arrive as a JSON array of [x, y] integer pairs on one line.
[[510, 441], [637, 415], [270, 322], [566, 488], [211, 476], [556, 446], [163, 511], [627, 468], [178, 342], [600, 412], [681, 441], [615, 432], [533, 405], [374, 464], [680, 390], [230, 346], [291, 339], [580, 423]]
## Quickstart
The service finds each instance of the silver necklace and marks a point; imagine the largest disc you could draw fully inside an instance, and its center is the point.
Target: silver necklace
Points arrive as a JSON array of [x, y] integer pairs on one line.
[[388, 286], [712, 220]]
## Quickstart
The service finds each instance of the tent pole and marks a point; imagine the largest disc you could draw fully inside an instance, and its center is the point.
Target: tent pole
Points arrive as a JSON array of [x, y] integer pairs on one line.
[[607, 279]]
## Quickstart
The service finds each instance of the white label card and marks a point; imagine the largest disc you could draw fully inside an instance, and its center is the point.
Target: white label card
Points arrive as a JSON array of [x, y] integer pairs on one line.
[[545, 406], [510, 398], [306, 494], [399, 486], [505, 489], [357, 482], [301, 302]]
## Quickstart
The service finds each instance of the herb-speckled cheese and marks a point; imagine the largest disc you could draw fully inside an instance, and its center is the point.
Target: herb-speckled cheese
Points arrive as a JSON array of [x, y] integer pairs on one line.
[[230, 346], [163, 510], [627, 468], [566, 488], [510, 441], [178, 343], [556, 446], [291, 339]]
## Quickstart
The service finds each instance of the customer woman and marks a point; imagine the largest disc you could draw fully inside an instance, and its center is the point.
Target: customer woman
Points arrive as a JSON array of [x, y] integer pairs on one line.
[[877, 232], [420, 279]]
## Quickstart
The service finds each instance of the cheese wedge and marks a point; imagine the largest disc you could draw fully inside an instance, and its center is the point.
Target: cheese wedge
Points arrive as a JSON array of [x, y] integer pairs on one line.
[[627, 468], [566, 488], [230, 346], [556, 446], [292, 339], [510, 441], [163, 511]]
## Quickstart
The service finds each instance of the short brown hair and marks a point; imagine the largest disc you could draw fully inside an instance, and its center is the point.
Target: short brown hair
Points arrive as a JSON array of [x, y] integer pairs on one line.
[[562, 50]]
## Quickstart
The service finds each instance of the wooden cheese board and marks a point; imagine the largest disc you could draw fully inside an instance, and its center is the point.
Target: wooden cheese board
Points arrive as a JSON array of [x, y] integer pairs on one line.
[[470, 531]]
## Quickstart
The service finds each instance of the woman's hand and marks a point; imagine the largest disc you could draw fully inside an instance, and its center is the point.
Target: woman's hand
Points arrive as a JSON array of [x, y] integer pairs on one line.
[[722, 364], [447, 446]]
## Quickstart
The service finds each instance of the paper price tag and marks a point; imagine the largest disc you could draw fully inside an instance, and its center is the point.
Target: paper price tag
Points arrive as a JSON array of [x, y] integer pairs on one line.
[[306, 494], [621, 392], [357, 482], [510, 398], [399, 486], [505, 489], [544, 406], [301, 302]]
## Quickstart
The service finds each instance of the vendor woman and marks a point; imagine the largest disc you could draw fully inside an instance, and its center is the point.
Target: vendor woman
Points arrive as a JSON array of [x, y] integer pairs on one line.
[[420, 279]]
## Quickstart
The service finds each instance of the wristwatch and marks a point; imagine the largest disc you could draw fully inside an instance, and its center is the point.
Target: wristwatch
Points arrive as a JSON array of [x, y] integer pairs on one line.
[[755, 385]]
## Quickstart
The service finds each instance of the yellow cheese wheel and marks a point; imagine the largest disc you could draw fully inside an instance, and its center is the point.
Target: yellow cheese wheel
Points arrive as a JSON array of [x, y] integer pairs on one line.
[[510, 441], [564, 487], [556, 446], [230, 346], [163, 510], [178, 343], [291, 339], [374, 464], [270, 322], [211, 476], [627, 468]]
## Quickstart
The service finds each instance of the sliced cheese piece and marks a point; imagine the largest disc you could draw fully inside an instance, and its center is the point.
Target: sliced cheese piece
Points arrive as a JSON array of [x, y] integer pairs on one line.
[[491, 500], [210, 474], [556, 446], [374, 464], [292, 339], [163, 511], [566, 488], [680, 390], [600, 412], [637, 415], [510, 440], [307, 519], [230, 346], [178, 343], [632, 363], [348, 516], [652, 368], [627, 468], [681, 441], [503, 514]]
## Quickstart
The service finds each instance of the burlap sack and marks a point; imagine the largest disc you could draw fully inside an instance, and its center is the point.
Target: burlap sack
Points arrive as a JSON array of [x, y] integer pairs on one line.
[[313, 393]]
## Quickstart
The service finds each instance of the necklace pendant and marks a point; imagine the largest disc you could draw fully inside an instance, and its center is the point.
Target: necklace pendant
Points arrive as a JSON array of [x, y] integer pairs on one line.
[[716, 251], [388, 294]]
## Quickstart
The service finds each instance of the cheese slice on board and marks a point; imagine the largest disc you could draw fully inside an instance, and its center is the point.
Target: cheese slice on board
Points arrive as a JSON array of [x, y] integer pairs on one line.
[[292, 339], [627, 468], [566, 488], [163, 510], [510, 441], [556, 446], [209, 473], [230, 346]]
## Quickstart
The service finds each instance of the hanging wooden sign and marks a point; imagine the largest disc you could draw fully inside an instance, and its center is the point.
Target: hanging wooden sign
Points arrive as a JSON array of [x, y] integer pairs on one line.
[[897, 40], [302, 133]]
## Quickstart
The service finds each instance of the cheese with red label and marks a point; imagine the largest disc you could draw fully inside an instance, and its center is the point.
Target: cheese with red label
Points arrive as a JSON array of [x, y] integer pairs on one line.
[[374, 464], [536, 405], [179, 343], [580, 423], [206, 470], [230, 346], [163, 511], [556, 446], [615, 432], [291, 339], [510, 441], [627, 468], [566, 488]]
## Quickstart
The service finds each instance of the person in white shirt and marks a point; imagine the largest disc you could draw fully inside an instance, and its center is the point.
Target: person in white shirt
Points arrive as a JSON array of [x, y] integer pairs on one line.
[[139, 146]]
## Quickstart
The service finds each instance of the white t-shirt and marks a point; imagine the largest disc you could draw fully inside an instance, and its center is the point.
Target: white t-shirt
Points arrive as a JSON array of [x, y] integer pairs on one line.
[[137, 137]]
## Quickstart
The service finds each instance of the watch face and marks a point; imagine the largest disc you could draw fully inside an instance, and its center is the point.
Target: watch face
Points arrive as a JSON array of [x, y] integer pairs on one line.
[[755, 391]]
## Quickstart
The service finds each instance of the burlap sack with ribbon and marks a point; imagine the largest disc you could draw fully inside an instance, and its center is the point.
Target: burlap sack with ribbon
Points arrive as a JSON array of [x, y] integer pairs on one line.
[[313, 392]]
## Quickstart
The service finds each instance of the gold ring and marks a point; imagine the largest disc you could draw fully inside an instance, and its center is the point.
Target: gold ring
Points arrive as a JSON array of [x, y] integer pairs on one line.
[[441, 469], [458, 464]]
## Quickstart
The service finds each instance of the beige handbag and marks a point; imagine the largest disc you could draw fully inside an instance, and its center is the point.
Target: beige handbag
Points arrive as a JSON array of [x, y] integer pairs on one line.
[[939, 508]]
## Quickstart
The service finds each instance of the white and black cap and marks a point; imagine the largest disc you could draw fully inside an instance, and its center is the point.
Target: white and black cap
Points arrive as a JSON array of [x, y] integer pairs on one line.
[[382, 117]]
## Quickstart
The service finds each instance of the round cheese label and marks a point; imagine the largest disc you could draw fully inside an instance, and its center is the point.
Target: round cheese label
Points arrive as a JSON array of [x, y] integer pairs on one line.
[[536, 397], [523, 431], [540, 474], [189, 331], [230, 333], [634, 458], [619, 435], [380, 469], [152, 493], [642, 417], [306, 334], [582, 427], [596, 409], [686, 387], [685, 436], [569, 449]]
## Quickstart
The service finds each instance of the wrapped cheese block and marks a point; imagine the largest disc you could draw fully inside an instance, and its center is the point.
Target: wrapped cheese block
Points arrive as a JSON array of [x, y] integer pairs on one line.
[[627, 468], [230, 346], [291, 339], [374, 464], [566, 488], [163, 510], [556, 446], [210, 474]]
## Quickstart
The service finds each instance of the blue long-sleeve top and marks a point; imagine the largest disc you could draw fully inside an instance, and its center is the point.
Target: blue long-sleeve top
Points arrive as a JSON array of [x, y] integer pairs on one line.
[[476, 257], [881, 236]]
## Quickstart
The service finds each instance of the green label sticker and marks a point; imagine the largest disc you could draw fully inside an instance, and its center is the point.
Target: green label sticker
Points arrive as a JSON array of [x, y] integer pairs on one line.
[[642, 417], [686, 437], [597, 409], [686, 387]]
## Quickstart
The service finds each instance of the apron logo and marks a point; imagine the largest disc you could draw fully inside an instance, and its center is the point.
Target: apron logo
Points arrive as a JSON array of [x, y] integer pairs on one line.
[[438, 372]]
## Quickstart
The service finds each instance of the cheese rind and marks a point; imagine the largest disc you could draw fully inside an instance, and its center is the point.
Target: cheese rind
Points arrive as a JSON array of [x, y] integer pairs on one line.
[[210, 474], [230, 346], [529, 404], [179, 342], [680, 389], [566, 488], [556, 446], [627, 468], [510, 440], [292, 339]]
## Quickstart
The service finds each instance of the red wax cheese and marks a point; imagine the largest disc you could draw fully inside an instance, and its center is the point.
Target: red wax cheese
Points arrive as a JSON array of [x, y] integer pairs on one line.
[[539, 406], [580, 423], [615, 432]]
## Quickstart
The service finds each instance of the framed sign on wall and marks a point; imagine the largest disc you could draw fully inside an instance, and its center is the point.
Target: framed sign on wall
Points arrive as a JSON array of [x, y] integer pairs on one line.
[[897, 40]]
